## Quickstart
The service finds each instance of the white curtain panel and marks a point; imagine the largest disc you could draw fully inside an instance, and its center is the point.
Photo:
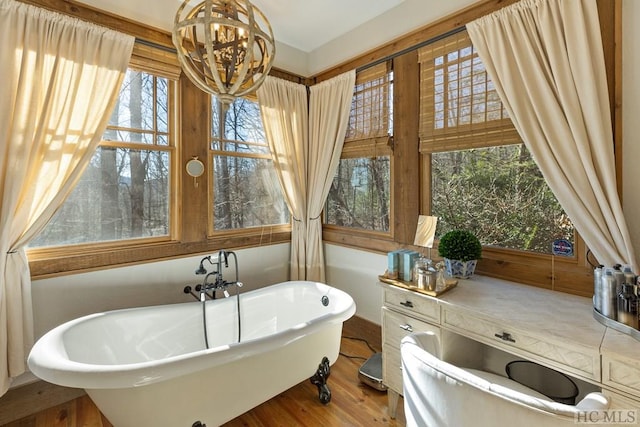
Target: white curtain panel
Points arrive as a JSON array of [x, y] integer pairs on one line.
[[284, 111], [329, 107], [545, 58], [60, 80]]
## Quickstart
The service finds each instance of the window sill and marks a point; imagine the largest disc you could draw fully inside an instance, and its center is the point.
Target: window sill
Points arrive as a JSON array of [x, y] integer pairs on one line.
[[52, 263], [570, 275]]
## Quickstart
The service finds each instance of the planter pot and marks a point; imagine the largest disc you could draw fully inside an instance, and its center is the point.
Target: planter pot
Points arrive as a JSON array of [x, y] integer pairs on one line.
[[460, 269]]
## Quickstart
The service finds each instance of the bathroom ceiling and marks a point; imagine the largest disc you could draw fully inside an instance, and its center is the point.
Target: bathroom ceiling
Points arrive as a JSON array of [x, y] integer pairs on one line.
[[311, 35], [302, 24]]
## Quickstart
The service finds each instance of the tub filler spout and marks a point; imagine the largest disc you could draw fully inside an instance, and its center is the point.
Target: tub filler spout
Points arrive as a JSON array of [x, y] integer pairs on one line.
[[217, 285], [214, 280]]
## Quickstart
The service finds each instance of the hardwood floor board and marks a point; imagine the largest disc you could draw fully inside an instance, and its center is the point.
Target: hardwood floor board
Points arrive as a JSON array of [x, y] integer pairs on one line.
[[29, 421], [29, 399], [63, 415], [352, 403], [89, 415]]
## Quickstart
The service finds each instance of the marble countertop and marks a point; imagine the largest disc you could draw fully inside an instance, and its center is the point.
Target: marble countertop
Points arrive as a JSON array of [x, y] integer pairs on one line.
[[544, 312], [556, 315], [619, 345]]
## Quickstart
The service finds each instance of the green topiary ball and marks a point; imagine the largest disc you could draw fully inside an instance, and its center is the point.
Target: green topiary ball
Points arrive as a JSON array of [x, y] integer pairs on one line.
[[462, 245]]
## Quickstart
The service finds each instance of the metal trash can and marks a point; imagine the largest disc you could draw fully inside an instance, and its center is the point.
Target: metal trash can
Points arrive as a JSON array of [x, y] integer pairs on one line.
[[553, 384]]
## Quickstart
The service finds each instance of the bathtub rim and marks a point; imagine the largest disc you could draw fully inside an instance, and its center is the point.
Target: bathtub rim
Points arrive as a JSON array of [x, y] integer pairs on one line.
[[49, 361]]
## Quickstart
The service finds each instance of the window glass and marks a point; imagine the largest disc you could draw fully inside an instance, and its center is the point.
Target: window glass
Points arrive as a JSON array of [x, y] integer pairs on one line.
[[359, 195], [141, 114], [499, 193], [124, 193], [482, 177], [246, 191]]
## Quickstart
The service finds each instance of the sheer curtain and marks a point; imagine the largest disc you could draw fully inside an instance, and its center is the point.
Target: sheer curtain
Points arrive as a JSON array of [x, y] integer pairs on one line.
[[60, 80], [329, 106], [545, 58], [283, 106]]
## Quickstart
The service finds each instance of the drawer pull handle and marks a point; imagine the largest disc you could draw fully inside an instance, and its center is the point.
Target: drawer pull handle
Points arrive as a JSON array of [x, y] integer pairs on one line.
[[506, 336], [407, 327], [407, 304]]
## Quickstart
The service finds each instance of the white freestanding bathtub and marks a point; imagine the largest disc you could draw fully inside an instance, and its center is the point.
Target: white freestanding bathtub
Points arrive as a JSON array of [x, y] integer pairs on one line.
[[149, 366]]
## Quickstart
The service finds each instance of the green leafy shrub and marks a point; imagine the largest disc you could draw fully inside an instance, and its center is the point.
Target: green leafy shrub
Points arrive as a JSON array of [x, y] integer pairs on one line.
[[462, 245]]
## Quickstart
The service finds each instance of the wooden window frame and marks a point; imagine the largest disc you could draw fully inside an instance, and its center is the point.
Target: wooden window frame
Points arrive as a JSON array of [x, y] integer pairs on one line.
[[247, 231], [533, 268], [190, 130], [156, 69], [368, 135], [192, 235], [573, 275]]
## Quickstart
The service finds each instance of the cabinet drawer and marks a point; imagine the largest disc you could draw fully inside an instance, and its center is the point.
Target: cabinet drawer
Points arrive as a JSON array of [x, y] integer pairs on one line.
[[396, 326], [618, 401], [412, 303], [572, 359], [392, 368], [622, 375]]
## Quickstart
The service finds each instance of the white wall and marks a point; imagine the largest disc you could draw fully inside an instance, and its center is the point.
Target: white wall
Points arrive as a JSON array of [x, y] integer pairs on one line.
[[356, 272], [58, 299], [631, 117]]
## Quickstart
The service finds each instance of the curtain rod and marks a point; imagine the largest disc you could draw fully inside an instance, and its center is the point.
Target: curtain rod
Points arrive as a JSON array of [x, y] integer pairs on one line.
[[364, 67], [156, 45], [412, 48]]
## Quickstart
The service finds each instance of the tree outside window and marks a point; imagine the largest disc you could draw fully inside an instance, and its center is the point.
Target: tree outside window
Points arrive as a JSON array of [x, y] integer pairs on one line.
[[246, 191], [124, 192], [482, 177]]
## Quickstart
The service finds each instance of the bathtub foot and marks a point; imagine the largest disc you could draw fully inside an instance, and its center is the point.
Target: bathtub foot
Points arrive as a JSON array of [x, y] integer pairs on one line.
[[319, 379]]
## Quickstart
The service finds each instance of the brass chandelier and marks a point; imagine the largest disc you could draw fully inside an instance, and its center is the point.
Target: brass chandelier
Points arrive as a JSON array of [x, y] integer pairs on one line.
[[225, 47]]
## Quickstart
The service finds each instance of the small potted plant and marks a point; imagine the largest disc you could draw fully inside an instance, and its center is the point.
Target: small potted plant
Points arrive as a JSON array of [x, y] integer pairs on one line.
[[461, 250]]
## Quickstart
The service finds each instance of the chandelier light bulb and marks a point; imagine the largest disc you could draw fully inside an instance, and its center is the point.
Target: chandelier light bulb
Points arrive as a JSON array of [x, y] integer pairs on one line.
[[225, 47]]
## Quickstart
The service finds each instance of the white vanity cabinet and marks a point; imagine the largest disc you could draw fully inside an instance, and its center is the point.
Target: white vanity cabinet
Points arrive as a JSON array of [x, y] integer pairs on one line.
[[621, 369], [528, 343], [404, 312], [553, 329]]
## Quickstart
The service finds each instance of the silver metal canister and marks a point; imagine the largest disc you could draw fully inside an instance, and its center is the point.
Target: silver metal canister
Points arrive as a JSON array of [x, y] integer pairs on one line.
[[597, 288], [627, 306], [618, 275], [609, 295], [629, 277]]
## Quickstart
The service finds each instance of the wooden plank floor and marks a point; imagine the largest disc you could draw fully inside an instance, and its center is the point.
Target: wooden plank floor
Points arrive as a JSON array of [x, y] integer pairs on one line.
[[352, 403]]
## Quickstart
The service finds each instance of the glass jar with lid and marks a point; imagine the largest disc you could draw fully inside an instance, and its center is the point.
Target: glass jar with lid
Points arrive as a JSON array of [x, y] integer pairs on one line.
[[424, 276]]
